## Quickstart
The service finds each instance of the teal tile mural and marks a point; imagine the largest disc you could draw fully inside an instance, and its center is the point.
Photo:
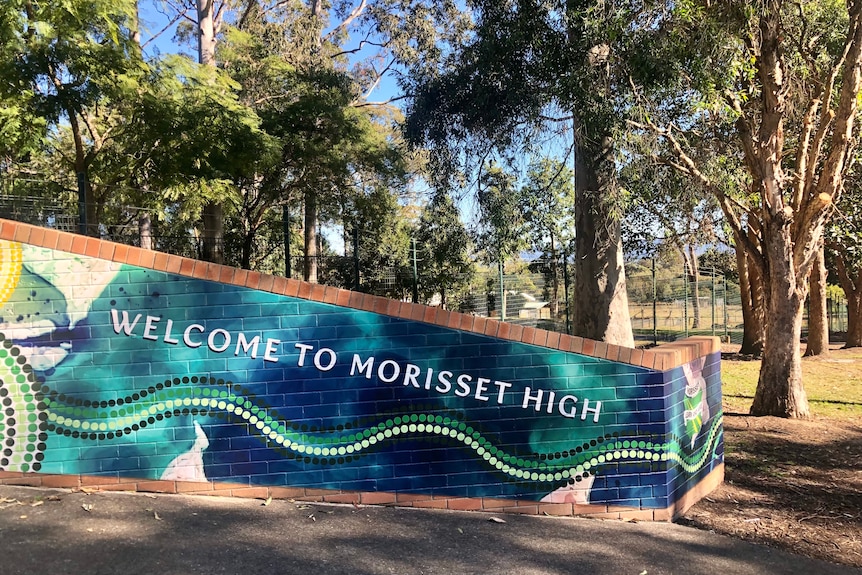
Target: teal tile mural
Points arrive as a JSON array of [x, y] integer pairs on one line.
[[116, 370]]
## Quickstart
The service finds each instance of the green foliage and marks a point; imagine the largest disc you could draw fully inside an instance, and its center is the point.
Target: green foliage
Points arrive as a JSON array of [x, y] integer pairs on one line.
[[723, 261], [443, 246], [66, 56], [192, 126], [548, 203], [500, 229], [61, 62]]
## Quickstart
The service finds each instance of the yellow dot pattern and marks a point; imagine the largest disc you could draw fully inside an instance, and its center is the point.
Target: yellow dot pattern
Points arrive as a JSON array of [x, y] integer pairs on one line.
[[11, 257]]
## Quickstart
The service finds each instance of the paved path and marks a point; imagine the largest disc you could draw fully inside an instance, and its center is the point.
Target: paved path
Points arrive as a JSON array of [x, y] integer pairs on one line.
[[113, 533]]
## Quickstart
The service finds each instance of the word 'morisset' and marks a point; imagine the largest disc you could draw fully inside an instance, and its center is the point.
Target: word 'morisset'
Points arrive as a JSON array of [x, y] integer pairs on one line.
[[387, 371]]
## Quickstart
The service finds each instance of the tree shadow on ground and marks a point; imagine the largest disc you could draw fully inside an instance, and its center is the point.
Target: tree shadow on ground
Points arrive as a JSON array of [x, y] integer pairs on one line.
[[792, 484]]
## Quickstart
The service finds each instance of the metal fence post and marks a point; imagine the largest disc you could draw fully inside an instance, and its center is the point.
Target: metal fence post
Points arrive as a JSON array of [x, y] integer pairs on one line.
[[82, 203], [502, 293], [566, 288], [415, 275], [285, 226], [726, 318], [356, 284], [685, 297], [654, 306], [713, 301]]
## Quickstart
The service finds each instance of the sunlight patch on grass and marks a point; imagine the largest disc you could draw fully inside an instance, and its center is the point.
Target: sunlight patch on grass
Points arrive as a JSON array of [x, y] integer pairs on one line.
[[833, 384]]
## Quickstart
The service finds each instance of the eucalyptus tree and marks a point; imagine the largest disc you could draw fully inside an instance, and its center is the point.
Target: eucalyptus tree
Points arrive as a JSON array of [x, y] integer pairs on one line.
[[784, 78], [330, 151], [529, 69], [667, 211], [548, 199], [844, 251], [443, 251]]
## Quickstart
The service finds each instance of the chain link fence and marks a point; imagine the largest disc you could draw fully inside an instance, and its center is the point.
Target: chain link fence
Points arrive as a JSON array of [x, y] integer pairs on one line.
[[664, 303]]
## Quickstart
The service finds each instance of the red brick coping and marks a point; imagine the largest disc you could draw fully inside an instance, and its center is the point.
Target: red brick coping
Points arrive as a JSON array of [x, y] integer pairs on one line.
[[662, 358]]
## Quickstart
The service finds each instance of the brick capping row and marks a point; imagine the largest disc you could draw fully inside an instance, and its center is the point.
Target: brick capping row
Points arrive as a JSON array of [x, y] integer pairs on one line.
[[663, 358], [488, 504]]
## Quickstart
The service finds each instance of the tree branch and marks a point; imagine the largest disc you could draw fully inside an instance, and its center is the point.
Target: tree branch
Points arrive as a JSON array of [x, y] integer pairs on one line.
[[362, 44], [383, 103], [354, 14], [173, 21], [687, 166], [376, 81]]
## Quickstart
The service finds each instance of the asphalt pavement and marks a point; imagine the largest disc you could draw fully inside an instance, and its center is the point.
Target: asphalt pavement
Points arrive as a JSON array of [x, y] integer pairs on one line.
[[57, 532]]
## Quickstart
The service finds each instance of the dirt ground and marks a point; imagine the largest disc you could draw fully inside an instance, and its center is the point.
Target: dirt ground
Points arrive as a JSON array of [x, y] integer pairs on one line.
[[796, 485]]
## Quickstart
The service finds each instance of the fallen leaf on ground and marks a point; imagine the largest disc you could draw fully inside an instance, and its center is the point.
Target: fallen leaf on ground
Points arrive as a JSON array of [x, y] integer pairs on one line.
[[87, 507], [156, 516], [496, 520], [37, 503], [267, 501]]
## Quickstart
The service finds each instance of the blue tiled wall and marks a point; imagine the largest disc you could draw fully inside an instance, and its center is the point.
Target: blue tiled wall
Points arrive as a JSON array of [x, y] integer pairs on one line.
[[96, 382]]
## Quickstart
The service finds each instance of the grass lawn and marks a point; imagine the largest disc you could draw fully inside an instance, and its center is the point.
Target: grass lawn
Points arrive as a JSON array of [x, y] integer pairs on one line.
[[833, 384]]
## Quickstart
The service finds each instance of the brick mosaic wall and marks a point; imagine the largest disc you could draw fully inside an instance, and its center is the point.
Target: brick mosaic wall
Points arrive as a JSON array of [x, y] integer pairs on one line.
[[131, 369]]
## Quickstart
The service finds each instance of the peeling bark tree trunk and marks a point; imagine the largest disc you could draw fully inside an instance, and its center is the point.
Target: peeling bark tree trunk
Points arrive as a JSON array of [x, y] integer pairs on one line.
[[779, 387], [787, 218], [818, 325], [751, 300], [854, 320], [601, 306]]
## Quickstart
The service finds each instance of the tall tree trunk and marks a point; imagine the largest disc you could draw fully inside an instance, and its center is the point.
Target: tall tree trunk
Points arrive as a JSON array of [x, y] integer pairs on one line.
[[212, 234], [145, 229], [212, 217], [601, 306], [751, 299], [247, 248], [693, 271], [779, 387], [555, 285], [854, 320], [852, 284], [206, 31], [818, 325], [309, 272], [310, 236]]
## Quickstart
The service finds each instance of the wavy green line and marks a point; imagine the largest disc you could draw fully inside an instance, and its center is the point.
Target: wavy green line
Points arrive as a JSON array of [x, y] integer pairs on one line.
[[94, 420]]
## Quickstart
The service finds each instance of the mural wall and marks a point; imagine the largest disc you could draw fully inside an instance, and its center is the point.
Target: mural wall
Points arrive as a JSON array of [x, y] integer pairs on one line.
[[123, 371]]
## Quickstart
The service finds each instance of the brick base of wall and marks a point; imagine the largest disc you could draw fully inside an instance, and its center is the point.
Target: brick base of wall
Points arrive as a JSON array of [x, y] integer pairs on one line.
[[98, 483]]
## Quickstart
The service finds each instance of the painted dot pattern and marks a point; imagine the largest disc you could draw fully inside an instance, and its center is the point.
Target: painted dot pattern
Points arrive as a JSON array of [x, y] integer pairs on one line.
[[11, 258], [23, 424], [126, 415]]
